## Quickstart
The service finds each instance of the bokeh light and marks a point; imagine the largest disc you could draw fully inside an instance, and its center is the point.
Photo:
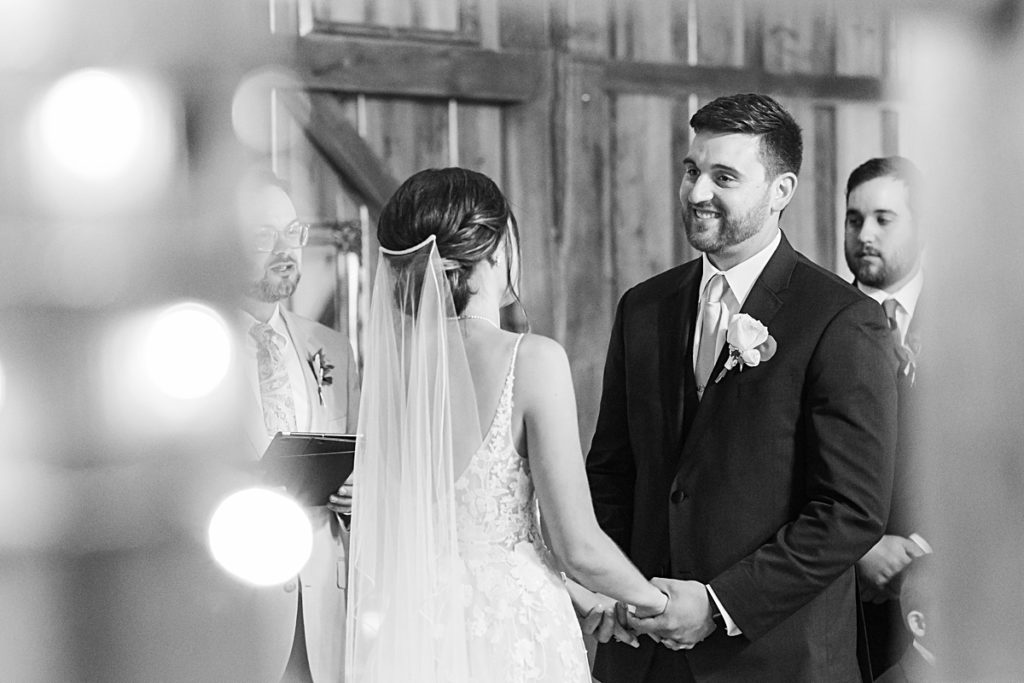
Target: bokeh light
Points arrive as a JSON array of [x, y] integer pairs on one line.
[[260, 536], [255, 104], [101, 140], [187, 351]]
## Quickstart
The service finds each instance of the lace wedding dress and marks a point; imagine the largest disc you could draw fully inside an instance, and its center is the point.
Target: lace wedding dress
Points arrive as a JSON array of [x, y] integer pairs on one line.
[[520, 624], [449, 579]]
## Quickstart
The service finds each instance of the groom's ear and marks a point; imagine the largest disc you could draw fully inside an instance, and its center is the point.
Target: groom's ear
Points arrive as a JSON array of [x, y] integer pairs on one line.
[[782, 190]]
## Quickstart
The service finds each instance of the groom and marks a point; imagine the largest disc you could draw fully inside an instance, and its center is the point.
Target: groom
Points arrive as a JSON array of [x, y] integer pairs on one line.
[[752, 483]]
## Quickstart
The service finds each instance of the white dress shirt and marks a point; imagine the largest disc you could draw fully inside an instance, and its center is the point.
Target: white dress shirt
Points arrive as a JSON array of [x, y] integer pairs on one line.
[[741, 279], [906, 297]]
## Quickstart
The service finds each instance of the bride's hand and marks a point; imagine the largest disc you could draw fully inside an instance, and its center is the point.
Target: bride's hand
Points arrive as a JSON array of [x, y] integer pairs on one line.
[[341, 502]]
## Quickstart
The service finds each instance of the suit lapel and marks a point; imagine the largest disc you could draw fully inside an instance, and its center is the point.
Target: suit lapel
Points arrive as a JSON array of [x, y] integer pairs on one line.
[[676, 319], [305, 344], [762, 303]]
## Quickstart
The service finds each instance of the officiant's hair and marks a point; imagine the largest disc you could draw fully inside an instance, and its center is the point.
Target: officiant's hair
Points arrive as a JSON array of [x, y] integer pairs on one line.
[[468, 216], [782, 146]]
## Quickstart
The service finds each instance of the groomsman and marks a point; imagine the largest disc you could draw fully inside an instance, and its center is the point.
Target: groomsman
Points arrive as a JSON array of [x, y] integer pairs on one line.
[[303, 378], [744, 445], [884, 248]]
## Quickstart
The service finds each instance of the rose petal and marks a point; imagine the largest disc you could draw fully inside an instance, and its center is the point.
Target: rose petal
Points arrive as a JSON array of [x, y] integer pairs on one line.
[[751, 357], [768, 348], [745, 332]]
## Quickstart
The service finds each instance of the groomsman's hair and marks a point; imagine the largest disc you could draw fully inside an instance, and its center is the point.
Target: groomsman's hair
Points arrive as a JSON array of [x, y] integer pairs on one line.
[[900, 168], [782, 146]]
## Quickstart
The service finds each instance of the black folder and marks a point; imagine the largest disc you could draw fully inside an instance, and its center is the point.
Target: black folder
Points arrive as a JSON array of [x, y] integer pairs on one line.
[[309, 466]]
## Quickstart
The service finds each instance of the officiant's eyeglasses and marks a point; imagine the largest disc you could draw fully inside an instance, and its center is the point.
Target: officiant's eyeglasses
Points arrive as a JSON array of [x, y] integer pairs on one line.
[[293, 236]]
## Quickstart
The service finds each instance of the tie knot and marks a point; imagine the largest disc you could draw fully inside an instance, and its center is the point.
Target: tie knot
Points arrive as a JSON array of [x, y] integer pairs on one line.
[[715, 289], [265, 335]]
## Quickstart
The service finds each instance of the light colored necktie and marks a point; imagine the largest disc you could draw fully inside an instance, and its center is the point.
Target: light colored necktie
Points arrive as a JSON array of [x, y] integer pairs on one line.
[[890, 306], [711, 310], [275, 389]]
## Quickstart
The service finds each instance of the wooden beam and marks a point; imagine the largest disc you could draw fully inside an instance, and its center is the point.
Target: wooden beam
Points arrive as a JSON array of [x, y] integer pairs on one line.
[[323, 119], [401, 69], [664, 79]]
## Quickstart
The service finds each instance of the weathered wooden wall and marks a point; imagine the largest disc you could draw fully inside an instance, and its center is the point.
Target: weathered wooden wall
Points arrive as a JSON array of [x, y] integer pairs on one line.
[[579, 110]]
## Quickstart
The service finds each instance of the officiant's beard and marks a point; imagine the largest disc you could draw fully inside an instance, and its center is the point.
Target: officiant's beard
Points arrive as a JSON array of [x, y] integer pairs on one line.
[[271, 289]]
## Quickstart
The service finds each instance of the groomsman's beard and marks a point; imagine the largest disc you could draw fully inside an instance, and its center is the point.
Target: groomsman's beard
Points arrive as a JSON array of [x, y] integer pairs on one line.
[[880, 271], [730, 232]]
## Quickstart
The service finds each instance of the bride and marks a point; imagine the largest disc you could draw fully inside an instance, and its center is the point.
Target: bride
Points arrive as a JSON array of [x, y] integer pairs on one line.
[[467, 430]]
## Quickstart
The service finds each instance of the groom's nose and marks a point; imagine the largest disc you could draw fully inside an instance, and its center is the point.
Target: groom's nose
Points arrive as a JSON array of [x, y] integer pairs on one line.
[[701, 190]]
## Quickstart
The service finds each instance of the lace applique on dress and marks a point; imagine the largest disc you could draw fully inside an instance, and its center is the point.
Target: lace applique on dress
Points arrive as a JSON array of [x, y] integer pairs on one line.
[[520, 622]]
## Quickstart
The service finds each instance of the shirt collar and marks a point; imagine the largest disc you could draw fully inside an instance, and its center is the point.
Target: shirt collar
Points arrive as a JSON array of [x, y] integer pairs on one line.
[[906, 296], [742, 276], [276, 322]]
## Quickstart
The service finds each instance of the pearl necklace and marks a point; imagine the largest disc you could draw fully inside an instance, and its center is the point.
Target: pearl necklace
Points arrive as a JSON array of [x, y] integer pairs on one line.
[[467, 316]]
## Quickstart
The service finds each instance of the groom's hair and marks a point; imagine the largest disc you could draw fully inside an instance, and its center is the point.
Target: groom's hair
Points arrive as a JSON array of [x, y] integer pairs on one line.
[[782, 146]]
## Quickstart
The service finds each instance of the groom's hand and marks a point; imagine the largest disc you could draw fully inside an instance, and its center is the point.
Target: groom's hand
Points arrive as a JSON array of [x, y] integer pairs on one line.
[[687, 617]]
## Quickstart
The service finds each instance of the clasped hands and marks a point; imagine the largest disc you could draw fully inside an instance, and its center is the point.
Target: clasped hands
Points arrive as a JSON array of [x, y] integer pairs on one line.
[[685, 622]]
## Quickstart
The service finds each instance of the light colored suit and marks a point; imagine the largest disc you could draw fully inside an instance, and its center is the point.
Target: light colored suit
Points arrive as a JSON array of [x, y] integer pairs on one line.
[[323, 578]]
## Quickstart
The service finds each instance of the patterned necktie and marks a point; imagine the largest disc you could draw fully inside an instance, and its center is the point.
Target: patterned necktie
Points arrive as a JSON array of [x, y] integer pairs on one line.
[[711, 308], [275, 389]]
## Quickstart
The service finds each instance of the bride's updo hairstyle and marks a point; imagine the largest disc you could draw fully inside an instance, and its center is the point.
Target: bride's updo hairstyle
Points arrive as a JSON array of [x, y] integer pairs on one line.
[[468, 216]]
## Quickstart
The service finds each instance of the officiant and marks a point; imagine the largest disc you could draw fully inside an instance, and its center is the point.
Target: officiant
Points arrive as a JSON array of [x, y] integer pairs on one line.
[[303, 378]]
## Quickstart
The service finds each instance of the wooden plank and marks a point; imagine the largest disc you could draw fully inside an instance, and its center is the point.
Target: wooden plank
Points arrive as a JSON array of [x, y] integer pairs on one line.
[[480, 140], [524, 24], [585, 303], [583, 27], [800, 219], [384, 67], [860, 38], [720, 33], [653, 78], [799, 37], [408, 135], [644, 30], [530, 185], [858, 138], [643, 200], [828, 191], [680, 145], [438, 15], [324, 121]]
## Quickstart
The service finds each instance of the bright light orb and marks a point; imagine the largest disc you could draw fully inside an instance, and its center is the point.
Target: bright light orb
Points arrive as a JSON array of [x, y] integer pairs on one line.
[[92, 123], [260, 536], [187, 351]]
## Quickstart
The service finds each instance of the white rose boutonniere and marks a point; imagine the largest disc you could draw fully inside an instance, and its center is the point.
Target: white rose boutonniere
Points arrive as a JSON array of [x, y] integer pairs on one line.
[[749, 344]]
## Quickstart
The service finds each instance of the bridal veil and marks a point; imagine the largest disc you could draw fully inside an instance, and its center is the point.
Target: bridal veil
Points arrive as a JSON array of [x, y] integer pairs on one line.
[[419, 426]]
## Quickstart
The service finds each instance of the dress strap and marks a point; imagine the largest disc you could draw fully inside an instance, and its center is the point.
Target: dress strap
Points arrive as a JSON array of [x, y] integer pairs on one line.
[[504, 413]]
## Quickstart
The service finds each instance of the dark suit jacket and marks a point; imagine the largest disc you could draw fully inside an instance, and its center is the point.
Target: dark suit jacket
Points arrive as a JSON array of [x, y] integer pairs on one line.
[[770, 488], [911, 668], [887, 638]]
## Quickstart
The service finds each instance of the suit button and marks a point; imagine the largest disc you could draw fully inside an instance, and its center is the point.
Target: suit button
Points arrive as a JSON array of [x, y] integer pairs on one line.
[[290, 586], [677, 496]]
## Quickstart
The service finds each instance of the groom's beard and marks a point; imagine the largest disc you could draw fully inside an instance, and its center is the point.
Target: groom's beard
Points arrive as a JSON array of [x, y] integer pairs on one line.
[[711, 236]]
